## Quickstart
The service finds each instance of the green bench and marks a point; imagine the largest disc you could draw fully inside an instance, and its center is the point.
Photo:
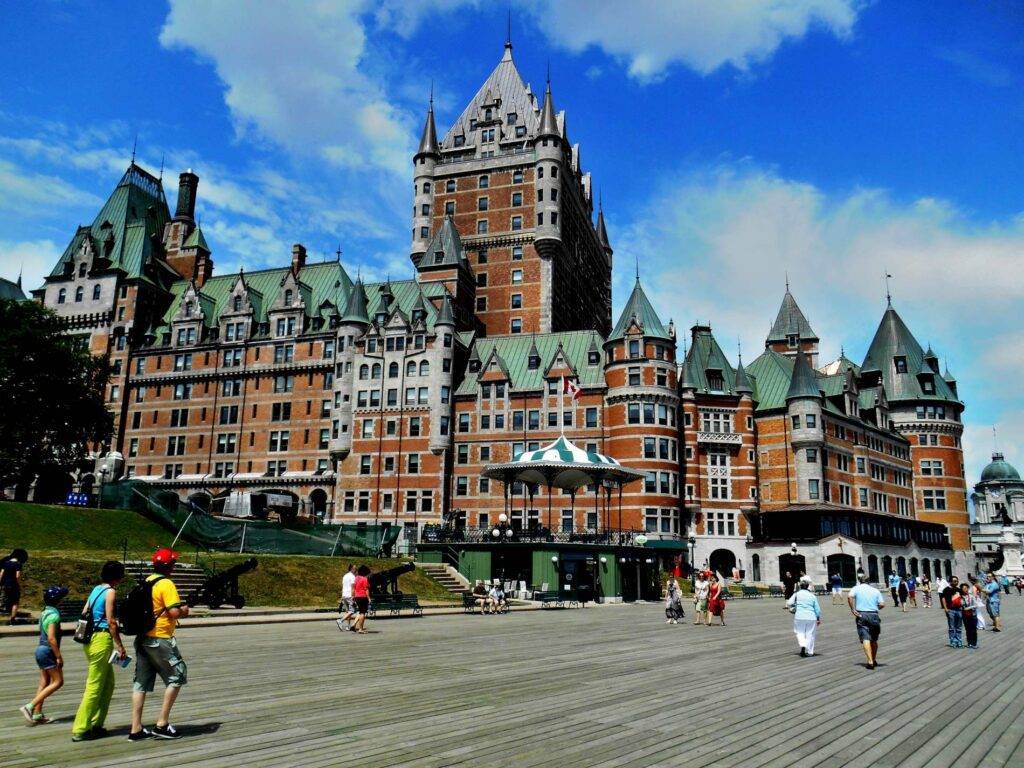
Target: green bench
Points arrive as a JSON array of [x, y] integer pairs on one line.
[[750, 591], [395, 605], [775, 591]]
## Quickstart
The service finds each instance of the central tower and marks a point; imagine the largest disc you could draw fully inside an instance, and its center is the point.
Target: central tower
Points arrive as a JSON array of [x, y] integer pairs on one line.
[[507, 178]]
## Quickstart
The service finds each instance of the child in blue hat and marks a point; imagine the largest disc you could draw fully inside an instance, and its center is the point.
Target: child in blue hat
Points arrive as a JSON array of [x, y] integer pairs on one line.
[[48, 658]]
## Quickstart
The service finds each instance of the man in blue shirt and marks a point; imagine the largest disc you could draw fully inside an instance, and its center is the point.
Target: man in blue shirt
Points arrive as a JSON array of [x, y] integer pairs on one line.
[[865, 602], [992, 591], [894, 588], [837, 588]]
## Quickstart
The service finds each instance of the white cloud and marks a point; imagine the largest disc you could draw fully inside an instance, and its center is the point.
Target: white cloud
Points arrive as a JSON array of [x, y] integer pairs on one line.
[[293, 73], [27, 193], [979, 442], [34, 259], [704, 35]]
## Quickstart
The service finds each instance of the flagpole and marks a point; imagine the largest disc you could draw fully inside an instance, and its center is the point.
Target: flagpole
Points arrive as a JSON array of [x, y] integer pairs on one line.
[[561, 406]]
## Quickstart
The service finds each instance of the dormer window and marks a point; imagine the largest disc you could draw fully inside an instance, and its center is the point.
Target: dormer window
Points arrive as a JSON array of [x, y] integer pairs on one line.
[[188, 308], [792, 341], [289, 297], [511, 118], [634, 347], [460, 141], [487, 114], [594, 357], [520, 131], [928, 386], [82, 269], [715, 381], [472, 124], [438, 257], [474, 366], [381, 318], [900, 362], [533, 362], [237, 304]]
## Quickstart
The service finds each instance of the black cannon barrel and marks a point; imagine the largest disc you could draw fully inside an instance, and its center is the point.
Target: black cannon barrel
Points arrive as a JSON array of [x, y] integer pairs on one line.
[[222, 587], [383, 582]]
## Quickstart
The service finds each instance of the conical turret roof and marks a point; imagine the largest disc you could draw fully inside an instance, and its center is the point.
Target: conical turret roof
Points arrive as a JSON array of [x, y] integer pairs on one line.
[[548, 119], [639, 306], [355, 308], [742, 386], [446, 315], [602, 232], [196, 240], [428, 140], [790, 321], [804, 382]]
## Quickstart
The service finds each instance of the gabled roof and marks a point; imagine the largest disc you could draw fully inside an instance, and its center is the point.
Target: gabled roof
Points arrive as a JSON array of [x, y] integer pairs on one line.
[[514, 351], [11, 291], [503, 83], [196, 240], [705, 355], [772, 373], [804, 381], [893, 339], [790, 321], [122, 230], [638, 306], [446, 241]]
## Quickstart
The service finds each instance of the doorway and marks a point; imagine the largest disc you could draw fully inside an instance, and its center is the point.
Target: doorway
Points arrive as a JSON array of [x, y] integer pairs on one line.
[[722, 561], [795, 564], [845, 566]]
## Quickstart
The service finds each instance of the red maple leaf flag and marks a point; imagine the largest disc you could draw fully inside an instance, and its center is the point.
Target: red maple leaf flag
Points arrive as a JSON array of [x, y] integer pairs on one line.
[[571, 388]]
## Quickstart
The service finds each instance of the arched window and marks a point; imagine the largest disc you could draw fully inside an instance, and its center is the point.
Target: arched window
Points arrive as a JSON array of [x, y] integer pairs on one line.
[[949, 570], [188, 308], [426, 186], [288, 296], [95, 292], [393, 371], [79, 293], [755, 567], [62, 295], [82, 269], [376, 371], [424, 368], [872, 568], [237, 304], [410, 368], [364, 371]]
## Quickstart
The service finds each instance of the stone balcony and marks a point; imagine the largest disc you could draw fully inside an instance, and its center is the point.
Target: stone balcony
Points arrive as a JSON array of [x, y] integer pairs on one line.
[[720, 438]]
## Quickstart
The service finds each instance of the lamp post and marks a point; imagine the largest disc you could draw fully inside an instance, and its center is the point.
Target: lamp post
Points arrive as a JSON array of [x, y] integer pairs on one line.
[[641, 540], [692, 542]]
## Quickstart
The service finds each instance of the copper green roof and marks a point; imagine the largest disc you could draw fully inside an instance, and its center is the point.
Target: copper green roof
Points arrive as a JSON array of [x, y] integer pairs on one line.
[[999, 470], [772, 373], [11, 291], [894, 340], [122, 231], [445, 315], [639, 306], [742, 385], [325, 281], [514, 352], [445, 247], [405, 295], [355, 305], [705, 355], [804, 381], [790, 321], [196, 240]]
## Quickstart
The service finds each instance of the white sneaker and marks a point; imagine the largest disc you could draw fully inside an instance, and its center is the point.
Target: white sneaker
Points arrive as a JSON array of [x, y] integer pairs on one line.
[[26, 712]]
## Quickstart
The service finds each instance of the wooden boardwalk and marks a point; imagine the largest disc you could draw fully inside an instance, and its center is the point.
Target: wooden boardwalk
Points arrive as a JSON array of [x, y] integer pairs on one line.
[[604, 686]]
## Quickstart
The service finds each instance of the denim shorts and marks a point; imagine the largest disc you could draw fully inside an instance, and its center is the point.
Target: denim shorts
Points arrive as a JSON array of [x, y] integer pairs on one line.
[[869, 627], [45, 657], [158, 656], [993, 608]]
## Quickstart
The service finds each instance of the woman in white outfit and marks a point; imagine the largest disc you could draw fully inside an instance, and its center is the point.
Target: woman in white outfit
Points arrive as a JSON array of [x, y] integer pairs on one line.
[[806, 616]]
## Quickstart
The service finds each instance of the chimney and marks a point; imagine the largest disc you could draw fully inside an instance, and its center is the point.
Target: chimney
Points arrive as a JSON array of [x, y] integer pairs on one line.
[[188, 182], [298, 257]]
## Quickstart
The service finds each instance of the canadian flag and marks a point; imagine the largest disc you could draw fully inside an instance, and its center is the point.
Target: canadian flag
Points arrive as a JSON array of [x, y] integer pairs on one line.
[[571, 388]]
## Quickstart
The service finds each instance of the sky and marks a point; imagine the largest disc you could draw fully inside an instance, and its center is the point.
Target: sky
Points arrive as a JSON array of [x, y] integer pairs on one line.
[[734, 142]]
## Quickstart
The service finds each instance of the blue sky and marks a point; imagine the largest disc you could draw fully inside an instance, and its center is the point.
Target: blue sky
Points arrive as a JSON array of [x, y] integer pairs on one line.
[[732, 142]]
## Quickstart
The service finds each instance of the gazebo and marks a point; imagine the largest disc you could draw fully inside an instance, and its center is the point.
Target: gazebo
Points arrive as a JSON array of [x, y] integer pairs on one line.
[[563, 465]]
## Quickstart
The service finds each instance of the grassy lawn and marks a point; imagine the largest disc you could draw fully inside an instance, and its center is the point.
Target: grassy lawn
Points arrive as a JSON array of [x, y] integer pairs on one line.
[[68, 545]]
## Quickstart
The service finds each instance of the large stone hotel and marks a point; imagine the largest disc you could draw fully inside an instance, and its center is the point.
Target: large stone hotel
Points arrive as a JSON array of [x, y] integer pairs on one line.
[[299, 390]]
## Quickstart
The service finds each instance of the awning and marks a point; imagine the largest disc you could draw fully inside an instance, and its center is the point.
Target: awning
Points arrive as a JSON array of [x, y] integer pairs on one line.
[[562, 464]]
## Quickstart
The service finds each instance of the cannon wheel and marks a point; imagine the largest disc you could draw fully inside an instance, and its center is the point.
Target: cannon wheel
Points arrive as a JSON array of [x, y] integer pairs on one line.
[[239, 601], [214, 605]]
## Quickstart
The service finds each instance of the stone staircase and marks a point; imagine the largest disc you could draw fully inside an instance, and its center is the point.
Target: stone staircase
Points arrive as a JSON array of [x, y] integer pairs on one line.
[[446, 576]]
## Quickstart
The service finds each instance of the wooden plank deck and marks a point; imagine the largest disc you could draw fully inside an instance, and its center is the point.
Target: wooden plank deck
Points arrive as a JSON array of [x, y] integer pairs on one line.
[[604, 686]]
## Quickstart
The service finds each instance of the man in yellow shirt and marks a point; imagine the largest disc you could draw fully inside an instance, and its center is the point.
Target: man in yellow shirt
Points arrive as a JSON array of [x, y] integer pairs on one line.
[[156, 652]]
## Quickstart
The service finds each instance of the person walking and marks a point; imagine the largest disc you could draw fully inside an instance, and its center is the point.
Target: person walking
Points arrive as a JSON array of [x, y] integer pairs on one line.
[[361, 594], [903, 592], [980, 601], [806, 616], [969, 606], [716, 599], [1019, 584], [894, 589], [865, 602], [701, 588], [156, 651], [48, 656], [837, 588], [992, 593], [673, 601], [926, 592], [1004, 580], [348, 605], [99, 654], [788, 585], [10, 582], [912, 590], [951, 602]]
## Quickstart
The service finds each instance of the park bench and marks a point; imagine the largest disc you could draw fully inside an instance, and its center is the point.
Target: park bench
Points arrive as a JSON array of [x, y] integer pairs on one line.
[[395, 605], [469, 604], [547, 599], [71, 610], [822, 590], [750, 591], [774, 591]]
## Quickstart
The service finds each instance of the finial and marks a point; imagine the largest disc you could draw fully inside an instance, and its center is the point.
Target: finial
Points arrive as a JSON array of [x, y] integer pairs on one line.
[[508, 30], [995, 443], [549, 73], [637, 260], [161, 176], [600, 202], [359, 274], [337, 253], [20, 270], [888, 293], [787, 281], [135, 143], [739, 350], [842, 350], [431, 93]]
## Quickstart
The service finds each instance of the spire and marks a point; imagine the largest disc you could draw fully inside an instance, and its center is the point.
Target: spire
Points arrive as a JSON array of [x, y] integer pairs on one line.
[[602, 232], [548, 121], [639, 306], [447, 314], [803, 383], [20, 269], [688, 381], [742, 382], [355, 308], [790, 321], [428, 141], [508, 32]]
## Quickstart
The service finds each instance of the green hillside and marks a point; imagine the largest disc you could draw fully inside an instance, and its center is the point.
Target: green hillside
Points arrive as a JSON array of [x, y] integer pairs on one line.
[[42, 528]]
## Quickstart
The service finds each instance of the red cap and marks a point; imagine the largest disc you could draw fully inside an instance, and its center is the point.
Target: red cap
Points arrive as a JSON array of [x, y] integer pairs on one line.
[[165, 556]]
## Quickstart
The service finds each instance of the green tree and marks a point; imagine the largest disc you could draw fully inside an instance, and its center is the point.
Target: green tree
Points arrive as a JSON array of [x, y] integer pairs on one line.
[[52, 395]]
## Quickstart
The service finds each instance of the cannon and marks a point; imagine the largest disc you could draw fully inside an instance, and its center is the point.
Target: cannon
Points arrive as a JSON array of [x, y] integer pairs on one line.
[[385, 583], [222, 587]]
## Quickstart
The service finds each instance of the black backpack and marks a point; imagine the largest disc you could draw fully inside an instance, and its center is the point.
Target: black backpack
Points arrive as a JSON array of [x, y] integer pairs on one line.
[[136, 616]]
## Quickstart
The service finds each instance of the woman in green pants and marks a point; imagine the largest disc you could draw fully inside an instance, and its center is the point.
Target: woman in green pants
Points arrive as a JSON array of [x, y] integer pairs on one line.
[[99, 685]]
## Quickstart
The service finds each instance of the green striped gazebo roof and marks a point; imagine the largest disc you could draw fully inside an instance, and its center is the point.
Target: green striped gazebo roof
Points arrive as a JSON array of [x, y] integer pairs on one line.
[[561, 464]]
